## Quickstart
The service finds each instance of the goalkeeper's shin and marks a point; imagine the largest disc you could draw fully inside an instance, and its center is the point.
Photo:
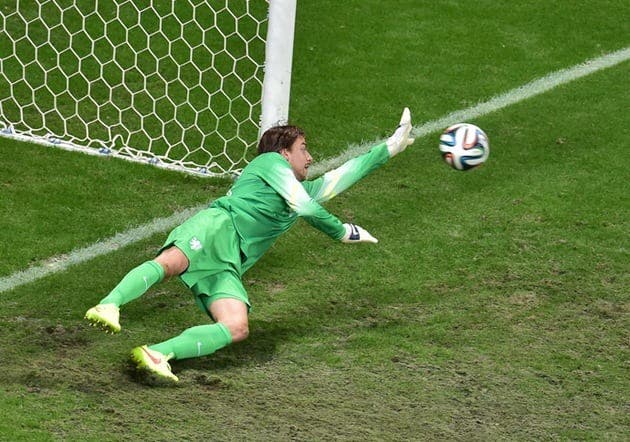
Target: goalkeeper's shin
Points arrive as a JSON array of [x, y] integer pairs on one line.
[[135, 283]]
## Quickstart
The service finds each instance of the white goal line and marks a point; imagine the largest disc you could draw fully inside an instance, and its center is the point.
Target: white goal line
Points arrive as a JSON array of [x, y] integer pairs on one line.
[[513, 96], [60, 263]]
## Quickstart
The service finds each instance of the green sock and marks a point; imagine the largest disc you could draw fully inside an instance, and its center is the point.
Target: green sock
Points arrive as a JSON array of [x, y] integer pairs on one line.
[[196, 341], [135, 283]]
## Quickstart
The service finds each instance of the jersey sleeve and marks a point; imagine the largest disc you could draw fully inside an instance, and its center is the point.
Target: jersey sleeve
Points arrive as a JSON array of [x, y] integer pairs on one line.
[[281, 178], [334, 182]]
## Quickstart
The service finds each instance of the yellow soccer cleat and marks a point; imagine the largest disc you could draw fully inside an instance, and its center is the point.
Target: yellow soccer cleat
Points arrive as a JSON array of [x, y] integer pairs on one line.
[[105, 316], [154, 363]]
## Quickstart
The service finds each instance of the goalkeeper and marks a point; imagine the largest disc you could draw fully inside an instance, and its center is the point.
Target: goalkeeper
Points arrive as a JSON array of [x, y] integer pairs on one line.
[[213, 249]]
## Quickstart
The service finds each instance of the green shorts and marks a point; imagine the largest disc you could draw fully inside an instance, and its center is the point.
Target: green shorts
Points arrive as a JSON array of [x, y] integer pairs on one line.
[[209, 241]]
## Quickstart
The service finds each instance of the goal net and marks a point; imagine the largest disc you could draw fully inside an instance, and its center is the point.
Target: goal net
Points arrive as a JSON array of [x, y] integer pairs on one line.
[[177, 84]]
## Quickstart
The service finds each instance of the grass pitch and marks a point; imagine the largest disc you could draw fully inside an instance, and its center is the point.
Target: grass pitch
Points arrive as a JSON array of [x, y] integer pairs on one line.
[[495, 306]]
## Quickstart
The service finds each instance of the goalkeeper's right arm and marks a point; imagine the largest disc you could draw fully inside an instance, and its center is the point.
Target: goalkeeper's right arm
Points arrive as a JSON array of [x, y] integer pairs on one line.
[[336, 181], [400, 139]]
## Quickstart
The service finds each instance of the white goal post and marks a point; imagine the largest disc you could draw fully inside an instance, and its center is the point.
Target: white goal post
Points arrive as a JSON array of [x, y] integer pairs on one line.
[[187, 85]]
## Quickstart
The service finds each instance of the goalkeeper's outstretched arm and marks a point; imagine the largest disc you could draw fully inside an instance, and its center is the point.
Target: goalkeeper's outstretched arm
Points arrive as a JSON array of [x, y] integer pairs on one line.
[[287, 178], [336, 181], [281, 178]]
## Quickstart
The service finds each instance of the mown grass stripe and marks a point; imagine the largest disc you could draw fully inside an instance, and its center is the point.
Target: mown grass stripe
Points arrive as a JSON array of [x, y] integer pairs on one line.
[[62, 262]]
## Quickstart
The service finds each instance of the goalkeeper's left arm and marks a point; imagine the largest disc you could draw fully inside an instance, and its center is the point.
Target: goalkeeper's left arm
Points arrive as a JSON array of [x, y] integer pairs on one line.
[[336, 181]]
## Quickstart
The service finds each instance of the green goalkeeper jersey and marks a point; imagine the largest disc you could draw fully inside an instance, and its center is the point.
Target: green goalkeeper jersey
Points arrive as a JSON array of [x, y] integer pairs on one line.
[[266, 200]]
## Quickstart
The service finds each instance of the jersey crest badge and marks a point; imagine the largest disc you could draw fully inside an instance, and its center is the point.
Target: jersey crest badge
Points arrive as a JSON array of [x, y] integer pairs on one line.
[[195, 244]]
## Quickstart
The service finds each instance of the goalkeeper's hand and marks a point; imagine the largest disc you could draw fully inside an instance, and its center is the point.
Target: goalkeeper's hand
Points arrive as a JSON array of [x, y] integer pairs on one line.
[[400, 139], [356, 234]]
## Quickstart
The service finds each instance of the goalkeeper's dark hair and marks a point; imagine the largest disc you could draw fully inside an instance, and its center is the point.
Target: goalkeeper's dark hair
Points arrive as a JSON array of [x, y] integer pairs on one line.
[[279, 137]]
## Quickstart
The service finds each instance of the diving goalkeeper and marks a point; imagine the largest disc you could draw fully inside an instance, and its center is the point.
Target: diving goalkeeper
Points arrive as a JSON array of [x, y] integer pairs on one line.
[[212, 250]]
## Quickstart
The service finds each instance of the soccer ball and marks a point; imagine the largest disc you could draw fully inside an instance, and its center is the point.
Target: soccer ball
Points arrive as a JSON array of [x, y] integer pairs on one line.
[[464, 146]]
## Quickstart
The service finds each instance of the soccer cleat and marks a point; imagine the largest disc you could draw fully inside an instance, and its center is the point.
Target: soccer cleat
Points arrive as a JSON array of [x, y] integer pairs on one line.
[[105, 316], [154, 363]]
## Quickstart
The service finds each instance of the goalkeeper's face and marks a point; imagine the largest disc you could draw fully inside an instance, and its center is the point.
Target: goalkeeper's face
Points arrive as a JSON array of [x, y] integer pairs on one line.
[[298, 157]]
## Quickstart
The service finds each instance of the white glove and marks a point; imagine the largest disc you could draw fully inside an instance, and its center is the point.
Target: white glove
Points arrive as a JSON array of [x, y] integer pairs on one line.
[[400, 139], [356, 234]]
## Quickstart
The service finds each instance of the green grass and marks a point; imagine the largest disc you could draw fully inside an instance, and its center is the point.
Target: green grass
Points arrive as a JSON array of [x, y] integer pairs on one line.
[[495, 306]]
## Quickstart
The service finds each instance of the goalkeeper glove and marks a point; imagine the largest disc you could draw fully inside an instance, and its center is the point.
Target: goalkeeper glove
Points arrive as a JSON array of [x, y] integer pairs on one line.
[[400, 139], [356, 234]]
